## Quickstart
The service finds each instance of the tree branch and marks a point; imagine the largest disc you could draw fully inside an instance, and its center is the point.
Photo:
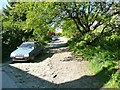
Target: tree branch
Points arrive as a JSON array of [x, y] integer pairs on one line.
[[94, 17], [98, 24], [77, 26]]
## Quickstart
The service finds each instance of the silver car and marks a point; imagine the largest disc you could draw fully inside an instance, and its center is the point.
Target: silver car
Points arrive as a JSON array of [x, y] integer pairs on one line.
[[26, 51]]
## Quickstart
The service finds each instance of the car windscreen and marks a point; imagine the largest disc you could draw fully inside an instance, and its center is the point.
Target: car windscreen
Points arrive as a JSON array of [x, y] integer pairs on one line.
[[26, 45]]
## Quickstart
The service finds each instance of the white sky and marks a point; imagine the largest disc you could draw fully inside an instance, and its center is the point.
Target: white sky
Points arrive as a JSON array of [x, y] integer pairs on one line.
[[3, 3]]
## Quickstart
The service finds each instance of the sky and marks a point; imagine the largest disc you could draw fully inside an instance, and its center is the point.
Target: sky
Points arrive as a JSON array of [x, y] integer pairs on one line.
[[3, 3]]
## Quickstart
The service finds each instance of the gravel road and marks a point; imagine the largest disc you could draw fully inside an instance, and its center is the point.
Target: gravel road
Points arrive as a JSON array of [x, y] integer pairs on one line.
[[53, 68], [60, 70]]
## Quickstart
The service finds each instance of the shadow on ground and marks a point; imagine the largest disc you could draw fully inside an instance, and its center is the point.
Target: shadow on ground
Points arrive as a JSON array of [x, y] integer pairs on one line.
[[43, 55], [48, 53], [94, 81]]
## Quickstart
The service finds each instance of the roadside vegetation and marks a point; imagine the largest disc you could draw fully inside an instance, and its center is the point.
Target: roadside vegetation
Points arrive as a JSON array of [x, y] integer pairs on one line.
[[102, 53], [100, 46], [92, 27]]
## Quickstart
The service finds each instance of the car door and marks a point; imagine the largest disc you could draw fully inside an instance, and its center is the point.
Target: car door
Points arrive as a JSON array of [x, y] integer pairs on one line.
[[36, 48]]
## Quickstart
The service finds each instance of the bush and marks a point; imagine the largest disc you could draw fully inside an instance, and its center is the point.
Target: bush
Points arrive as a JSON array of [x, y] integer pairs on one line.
[[103, 53]]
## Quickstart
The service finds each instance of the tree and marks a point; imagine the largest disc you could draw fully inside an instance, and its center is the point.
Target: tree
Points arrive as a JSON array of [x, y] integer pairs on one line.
[[69, 29], [12, 33], [93, 18], [28, 20]]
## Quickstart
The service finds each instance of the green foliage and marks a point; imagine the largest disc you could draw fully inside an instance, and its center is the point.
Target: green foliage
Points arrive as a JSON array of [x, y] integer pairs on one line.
[[33, 20], [93, 29], [69, 29], [25, 21], [114, 82], [103, 53]]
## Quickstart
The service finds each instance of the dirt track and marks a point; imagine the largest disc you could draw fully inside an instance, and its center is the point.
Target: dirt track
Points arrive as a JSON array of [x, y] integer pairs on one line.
[[56, 68]]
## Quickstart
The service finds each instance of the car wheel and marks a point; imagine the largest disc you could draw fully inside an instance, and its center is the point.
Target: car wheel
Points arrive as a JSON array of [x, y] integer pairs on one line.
[[32, 58]]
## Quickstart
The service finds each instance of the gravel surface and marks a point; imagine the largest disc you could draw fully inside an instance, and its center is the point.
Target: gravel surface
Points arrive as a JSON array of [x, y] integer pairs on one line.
[[61, 70], [53, 68]]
